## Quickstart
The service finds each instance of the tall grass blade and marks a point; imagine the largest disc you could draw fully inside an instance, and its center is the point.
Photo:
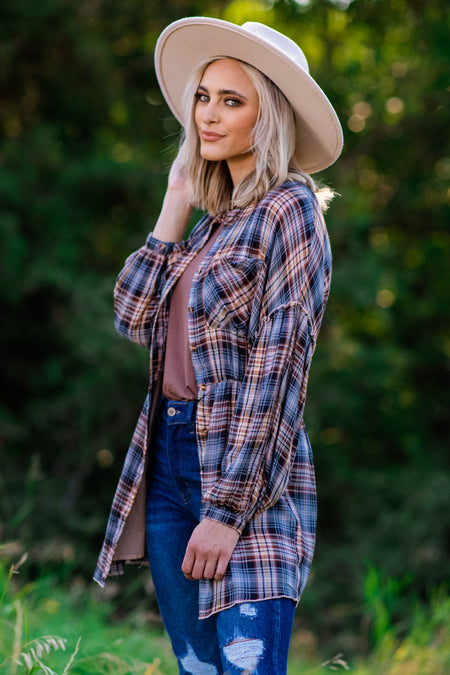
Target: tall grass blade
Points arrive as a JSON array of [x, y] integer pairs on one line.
[[17, 636], [72, 658]]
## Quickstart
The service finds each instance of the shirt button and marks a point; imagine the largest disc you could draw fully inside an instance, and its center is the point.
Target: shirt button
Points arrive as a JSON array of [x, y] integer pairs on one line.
[[193, 348], [203, 387], [171, 412], [191, 310]]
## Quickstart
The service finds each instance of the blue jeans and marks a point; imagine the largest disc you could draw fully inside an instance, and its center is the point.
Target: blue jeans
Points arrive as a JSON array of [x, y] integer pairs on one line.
[[251, 637]]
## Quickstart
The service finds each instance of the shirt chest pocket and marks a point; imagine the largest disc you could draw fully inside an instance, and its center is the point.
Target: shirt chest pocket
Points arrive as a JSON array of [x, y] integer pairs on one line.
[[228, 291]]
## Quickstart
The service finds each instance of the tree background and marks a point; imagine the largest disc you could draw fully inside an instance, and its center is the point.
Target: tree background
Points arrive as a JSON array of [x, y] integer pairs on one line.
[[85, 143]]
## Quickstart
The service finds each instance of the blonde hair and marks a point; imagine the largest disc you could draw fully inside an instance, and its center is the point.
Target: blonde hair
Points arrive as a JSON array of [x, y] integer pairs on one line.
[[273, 146]]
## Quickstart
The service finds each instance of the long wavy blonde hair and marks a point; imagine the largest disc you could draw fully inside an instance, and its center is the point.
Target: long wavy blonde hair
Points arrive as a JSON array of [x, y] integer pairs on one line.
[[273, 146]]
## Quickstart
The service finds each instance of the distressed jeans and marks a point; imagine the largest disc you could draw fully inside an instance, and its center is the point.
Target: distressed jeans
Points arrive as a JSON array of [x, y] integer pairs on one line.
[[251, 637]]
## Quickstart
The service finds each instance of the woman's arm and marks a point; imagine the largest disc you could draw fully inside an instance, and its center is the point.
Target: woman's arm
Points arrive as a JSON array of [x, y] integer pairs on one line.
[[265, 426], [261, 443], [264, 430], [176, 209], [139, 284]]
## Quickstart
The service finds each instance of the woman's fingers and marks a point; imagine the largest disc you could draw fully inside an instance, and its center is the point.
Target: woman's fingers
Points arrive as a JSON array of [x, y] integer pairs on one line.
[[209, 569], [178, 179], [209, 551], [221, 568], [188, 563]]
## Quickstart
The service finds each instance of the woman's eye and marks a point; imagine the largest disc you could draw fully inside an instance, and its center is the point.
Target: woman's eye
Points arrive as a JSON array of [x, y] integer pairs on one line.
[[233, 102], [201, 97]]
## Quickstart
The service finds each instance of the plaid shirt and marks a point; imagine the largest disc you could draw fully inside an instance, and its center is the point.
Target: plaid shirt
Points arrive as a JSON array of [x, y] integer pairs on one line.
[[255, 309]]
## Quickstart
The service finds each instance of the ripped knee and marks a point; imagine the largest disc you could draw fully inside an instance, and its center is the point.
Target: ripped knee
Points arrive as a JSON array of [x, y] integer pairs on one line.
[[244, 653], [192, 664]]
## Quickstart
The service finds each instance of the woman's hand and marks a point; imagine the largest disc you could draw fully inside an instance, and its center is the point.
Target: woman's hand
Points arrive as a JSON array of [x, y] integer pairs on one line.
[[209, 550], [178, 180], [176, 209]]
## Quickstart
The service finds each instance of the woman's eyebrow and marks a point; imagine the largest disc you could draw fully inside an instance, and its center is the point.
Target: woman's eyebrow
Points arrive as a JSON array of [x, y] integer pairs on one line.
[[224, 92]]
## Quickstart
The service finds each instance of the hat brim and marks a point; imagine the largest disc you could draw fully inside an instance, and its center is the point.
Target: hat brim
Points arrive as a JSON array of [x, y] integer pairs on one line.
[[187, 42]]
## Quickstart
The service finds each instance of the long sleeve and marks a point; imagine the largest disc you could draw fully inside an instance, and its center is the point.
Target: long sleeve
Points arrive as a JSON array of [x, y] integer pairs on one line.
[[266, 421], [138, 289]]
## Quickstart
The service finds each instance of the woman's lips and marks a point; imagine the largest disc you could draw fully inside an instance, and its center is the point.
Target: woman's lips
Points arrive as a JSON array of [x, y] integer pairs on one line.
[[210, 136]]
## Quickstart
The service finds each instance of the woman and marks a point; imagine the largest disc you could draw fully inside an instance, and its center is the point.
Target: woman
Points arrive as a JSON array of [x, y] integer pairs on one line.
[[218, 483]]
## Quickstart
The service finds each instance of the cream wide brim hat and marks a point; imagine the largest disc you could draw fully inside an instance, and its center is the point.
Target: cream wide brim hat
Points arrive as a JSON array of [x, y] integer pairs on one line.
[[188, 42]]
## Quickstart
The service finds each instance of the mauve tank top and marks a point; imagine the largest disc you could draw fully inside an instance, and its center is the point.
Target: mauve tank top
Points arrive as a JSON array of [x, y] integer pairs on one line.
[[179, 383]]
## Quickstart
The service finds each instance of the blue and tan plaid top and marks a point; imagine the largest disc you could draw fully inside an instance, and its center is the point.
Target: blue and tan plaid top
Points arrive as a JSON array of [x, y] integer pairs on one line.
[[255, 309]]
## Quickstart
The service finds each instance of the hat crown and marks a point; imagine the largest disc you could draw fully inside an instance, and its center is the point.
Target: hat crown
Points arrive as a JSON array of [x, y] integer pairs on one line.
[[278, 41]]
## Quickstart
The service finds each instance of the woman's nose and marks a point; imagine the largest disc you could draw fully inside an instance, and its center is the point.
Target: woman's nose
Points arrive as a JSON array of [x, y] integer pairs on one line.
[[210, 113]]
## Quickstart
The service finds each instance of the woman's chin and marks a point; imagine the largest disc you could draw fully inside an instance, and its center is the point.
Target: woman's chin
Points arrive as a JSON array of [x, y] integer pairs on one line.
[[211, 156]]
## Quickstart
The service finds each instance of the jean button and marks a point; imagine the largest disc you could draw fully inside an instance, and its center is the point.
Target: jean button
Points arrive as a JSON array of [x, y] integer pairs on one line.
[[171, 412]]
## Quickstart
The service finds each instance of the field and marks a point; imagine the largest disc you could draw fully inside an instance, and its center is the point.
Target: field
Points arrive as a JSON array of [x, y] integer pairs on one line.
[[55, 629]]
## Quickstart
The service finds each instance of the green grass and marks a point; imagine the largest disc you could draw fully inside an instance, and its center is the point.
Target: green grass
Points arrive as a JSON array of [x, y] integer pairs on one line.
[[424, 650], [37, 610], [53, 630]]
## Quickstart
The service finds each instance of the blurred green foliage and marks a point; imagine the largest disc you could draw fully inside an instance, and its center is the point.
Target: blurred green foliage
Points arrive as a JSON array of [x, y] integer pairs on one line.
[[67, 631], [86, 139]]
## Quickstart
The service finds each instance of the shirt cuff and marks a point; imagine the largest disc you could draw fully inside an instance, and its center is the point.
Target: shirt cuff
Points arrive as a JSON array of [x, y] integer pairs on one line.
[[225, 516], [163, 247]]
